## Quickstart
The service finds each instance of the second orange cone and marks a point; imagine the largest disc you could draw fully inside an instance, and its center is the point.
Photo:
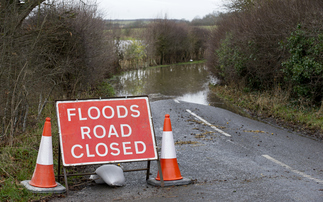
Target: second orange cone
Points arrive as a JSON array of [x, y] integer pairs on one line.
[[44, 172], [168, 160]]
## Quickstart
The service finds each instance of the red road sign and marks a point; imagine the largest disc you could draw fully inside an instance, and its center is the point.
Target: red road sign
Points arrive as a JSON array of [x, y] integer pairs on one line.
[[105, 130]]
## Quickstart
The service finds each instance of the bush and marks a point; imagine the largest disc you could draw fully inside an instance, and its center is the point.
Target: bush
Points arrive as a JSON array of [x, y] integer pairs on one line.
[[135, 53], [232, 61], [245, 48], [198, 42], [170, 41], [73, 44], [304, 68]]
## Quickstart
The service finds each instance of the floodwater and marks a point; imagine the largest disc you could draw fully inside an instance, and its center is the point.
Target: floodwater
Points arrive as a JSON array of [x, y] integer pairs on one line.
[[189, 83]]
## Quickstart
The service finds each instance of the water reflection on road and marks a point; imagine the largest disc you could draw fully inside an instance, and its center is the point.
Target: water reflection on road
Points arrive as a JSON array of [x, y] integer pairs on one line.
[[182, 82]]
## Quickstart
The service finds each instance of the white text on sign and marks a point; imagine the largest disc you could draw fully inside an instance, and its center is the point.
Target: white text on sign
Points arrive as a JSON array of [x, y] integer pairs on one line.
[[107, 112]]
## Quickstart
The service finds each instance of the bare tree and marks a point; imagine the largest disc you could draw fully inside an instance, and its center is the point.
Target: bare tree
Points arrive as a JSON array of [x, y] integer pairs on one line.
[[13, 12], [59, 51]]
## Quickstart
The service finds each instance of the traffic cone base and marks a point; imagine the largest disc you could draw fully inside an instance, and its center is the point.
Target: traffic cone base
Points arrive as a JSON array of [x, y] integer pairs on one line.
[[43, 176], [170, 170]]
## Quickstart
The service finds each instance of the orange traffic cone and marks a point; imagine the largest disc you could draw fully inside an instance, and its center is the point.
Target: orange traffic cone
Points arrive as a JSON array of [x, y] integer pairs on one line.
[[168, 160], [44, 172]]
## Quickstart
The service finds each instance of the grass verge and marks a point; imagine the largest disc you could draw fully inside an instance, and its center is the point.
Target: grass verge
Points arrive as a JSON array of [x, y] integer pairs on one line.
[[275, 107], [17, 162]]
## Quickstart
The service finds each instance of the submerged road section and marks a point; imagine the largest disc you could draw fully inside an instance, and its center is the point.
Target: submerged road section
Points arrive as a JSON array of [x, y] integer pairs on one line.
[[228, 158]]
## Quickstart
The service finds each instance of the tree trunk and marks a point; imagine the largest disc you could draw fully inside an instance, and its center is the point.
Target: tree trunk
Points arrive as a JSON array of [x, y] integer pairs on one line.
[[13, 12]]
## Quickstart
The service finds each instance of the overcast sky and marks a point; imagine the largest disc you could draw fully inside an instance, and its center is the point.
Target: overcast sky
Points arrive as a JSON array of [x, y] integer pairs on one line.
[[174, 9]]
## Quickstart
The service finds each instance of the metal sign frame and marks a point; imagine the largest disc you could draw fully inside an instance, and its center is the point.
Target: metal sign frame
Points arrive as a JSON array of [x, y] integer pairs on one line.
[[126, 98]]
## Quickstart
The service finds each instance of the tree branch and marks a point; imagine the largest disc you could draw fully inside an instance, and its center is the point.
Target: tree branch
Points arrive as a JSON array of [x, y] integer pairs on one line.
[[26, 8]]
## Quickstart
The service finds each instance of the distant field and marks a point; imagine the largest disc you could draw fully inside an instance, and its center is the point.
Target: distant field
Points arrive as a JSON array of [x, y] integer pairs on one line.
[[130, 23], [208, 27], [137, 22], [126, 22], [134, 29]]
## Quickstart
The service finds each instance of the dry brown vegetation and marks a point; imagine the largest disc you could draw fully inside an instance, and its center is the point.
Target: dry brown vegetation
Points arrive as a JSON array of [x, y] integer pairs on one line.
[[58, 52]]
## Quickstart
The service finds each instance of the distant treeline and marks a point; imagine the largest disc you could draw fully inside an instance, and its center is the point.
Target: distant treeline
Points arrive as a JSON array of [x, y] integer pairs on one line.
[[207, 20]]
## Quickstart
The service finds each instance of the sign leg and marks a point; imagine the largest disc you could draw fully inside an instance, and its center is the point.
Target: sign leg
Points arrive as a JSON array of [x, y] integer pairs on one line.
[[59, 163], [65, 178], [160, 174], [148, 170]]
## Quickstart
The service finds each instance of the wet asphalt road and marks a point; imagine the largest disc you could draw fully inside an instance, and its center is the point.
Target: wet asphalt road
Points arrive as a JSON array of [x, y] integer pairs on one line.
[[227, 156]]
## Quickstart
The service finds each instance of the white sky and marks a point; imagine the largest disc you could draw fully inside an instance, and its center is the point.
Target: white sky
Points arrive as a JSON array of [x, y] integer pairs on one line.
[[144, 9]]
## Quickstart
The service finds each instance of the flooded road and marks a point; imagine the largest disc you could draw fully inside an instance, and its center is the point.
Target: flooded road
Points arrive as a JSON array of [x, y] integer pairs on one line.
[[189, 83]]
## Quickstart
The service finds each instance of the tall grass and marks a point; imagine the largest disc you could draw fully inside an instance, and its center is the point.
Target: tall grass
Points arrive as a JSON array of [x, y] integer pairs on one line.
[[275, 105]]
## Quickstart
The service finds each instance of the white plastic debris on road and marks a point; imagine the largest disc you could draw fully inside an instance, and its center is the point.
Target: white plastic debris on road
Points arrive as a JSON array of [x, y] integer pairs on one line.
[[109, 174], [97, 179]]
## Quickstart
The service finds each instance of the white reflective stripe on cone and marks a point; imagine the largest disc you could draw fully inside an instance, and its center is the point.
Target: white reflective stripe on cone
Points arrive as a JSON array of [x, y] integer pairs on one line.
[[168, 147], [45, 154]]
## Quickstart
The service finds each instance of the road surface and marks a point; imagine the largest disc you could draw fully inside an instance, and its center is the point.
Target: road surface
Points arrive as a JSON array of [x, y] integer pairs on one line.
[[227, 156]]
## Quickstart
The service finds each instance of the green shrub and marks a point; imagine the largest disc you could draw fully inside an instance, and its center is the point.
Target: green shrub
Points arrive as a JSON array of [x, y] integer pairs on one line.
[[303, 70], [135, 52], [230, 58], [105, 89], [233, 65]]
